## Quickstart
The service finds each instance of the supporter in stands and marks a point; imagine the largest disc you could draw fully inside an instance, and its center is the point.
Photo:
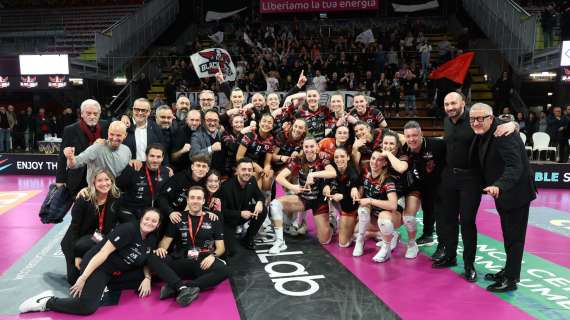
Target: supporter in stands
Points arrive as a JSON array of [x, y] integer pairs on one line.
[[557, 129], [410, 86], [93, 216], [310, 168], [242, 201], [140, 188], [80, 135], [207, 100], [141, 132], [197, 243], [4, 130], [127, 250], [502, 91], [110, 154], [343, 192]]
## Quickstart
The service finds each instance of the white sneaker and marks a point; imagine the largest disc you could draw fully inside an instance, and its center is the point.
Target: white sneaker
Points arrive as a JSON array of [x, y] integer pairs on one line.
[[291, 230], [412, 251], [358, 247], [278, 246], [302, 229], [394, 241], [36, 303], [383, 254]]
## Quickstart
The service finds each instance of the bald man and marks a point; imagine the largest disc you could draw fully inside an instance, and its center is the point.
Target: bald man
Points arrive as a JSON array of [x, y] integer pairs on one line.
[[112, 154]]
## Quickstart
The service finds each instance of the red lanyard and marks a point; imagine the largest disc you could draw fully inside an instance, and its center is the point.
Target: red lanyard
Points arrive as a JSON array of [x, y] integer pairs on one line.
[[101, 218], [149, 180], [191, 233]]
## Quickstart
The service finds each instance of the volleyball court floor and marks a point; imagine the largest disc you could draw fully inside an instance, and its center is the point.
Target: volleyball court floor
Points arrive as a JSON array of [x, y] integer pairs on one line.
[[309, 281]]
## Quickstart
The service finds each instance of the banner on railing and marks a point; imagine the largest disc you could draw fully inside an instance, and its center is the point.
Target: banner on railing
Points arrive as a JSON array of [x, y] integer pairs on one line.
[[287, 6], [222, 100]]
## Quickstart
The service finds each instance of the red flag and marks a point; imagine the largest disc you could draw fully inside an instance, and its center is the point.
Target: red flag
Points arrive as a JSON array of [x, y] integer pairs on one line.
[[455, 69]]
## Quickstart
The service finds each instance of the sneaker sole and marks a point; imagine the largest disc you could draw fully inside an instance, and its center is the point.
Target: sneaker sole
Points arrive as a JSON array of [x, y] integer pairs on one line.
[[427, 244], [185, 299], [281, 249]]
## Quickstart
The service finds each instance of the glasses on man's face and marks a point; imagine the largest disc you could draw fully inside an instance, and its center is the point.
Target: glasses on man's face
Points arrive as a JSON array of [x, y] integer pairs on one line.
[[206, 99], [139, 110], [478, 119]]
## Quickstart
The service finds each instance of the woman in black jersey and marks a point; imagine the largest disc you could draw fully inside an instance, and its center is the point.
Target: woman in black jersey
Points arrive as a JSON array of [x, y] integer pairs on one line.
[[128, 249], [213, 182], [92, 217], [379, 199], [258, 145], [196, 244], [343, 191]]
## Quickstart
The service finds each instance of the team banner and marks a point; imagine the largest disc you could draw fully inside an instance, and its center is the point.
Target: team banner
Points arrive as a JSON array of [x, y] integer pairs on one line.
[[209, 61], [28, 164], [287, 6]]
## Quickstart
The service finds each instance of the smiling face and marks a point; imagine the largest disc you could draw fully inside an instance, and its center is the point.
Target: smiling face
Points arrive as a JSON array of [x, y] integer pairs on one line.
[[341, 158], [298, 129], [360, 104], [102, 183], [258, 101], [362, 131], [341, 135], [236, 98], [213, 183], [454, 105], [164, 118], [414, 138], [244, 172], [480, 120], [149, 221], [116, 134], [237, 123], [313, 98], [266, 124], [90, 115], [199, 169], [154, 159], [141, 111], [310, 149], [390, 144], [212, 120], [195, 200], [337, 104], [193, 120], [377, 161], [273, 101]]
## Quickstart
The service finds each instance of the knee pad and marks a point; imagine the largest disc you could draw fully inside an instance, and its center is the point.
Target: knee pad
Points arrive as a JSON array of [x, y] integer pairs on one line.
[[363, 212], [410, 223], [386, 226], [276, 210]]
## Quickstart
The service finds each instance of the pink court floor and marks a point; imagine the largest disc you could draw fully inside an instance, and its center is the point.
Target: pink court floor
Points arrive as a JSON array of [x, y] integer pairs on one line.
[[411, 289]]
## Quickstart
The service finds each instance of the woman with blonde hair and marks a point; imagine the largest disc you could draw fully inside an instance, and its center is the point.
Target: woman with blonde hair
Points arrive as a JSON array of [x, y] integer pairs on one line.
[[94, 213]]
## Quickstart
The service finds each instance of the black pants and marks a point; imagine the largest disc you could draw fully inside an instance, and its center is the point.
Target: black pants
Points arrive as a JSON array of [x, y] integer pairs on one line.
[[190, 269], [430, 196], [90, 298], [460, 196], [231, 242], [76, 249], [513, 225]]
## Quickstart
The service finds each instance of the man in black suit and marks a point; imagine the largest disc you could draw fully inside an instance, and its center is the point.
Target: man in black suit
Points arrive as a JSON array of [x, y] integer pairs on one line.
[[507, 177], [80, 135], [142, 132]]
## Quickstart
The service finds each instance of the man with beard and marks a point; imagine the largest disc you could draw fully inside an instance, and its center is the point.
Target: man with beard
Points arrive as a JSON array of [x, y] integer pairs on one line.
[[242, 201], [112, 154], [139, 189], [182, 140], [80, 135], [182, 108], [164, 120], [208, 140]]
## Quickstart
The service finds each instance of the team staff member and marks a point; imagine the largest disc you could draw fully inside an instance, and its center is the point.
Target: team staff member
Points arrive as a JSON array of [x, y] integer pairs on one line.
[[507, 177], [426, 157], [242, 201], [127, 250], [141, 132], [80, 135], [182, 139], [343, 192], [461, 186], [92, 217], [140, 189], [172, 198], [198, 242]]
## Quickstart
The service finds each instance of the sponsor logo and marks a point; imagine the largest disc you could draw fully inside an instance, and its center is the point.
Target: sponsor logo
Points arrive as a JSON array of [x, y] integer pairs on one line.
[[28, 82]]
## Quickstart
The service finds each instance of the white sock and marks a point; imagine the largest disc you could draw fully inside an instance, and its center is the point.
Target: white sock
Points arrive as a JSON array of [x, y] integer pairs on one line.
[[363, 221], [278, 233]]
